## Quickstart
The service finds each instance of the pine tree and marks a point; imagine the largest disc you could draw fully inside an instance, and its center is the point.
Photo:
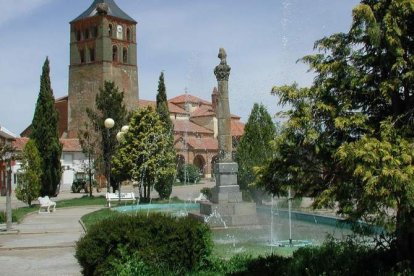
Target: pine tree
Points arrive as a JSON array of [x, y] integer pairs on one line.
[[28, 186], [109, 104], [254, 148], [45, 135], [164, 185], [144, 154]]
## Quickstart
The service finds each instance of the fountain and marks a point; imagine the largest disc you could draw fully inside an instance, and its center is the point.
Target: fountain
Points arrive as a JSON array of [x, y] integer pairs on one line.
[[226, 196]]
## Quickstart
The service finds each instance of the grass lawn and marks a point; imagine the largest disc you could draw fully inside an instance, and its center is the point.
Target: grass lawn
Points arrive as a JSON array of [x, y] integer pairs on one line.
[[19, 213], [94, 217]]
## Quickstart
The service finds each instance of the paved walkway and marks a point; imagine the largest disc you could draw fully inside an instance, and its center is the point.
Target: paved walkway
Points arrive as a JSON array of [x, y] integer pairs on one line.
[[45, 243]]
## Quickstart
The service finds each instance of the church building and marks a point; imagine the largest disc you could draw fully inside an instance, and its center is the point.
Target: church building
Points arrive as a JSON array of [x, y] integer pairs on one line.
[[103, 47]]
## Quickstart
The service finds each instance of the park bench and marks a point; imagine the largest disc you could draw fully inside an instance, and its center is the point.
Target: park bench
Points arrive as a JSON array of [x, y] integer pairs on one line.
[[46, 203], [124, 197], [201, 197]]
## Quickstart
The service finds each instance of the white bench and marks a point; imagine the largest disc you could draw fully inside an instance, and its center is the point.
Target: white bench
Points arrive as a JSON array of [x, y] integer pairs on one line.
[[46, 203], [201, 197], [124, 197]]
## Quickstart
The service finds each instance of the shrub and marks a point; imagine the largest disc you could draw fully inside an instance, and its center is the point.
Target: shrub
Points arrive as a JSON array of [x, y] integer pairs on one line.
[[176, 244], [332, 258], [164, 186], [189, 173]]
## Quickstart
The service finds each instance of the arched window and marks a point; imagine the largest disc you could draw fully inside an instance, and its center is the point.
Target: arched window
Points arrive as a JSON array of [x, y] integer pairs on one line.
[[95, 31], [86, 34], [200, 163], [92, 54], [110, 30], [115, 53], [128, 34], [78, 35], [125, 55], [82, 56]]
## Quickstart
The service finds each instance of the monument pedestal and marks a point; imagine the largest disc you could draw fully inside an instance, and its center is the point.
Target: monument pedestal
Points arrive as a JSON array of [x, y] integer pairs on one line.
[[226, 204]]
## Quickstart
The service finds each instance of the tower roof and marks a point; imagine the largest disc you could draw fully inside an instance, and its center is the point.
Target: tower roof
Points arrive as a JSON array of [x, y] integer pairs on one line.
[[111, 9]]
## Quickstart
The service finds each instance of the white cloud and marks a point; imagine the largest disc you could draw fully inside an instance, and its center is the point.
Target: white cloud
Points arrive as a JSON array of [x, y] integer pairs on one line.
[[16, 8]]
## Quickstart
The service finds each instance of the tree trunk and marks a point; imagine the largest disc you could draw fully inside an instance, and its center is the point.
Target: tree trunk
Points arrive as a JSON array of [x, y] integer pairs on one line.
[[405, 233]]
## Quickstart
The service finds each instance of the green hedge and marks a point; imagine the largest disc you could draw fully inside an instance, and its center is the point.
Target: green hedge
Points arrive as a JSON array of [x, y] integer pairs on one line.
[[175, 244]]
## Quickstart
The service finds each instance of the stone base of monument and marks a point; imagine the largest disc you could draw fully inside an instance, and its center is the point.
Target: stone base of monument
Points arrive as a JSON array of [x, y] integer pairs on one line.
[[227, 208]]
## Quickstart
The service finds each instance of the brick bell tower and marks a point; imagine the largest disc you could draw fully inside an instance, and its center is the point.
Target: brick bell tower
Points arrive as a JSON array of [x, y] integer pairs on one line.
[[103, 47]]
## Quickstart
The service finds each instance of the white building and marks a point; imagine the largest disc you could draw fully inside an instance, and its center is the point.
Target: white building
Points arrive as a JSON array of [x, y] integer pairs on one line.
[[73, 160]]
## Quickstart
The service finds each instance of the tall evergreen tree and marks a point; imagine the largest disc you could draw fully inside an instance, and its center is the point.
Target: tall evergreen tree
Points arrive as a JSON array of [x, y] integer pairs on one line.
[[46, 136], [109, 104], [162, 103], [164, 184], [254, 148]]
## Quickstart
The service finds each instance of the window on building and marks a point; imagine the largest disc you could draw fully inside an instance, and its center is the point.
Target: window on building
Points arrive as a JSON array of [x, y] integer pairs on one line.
[[92, 54], [87, 34], [128, 34], [78, 35], [95, 31], [82, 56], [125, 55], [110, 30], [114, 53]]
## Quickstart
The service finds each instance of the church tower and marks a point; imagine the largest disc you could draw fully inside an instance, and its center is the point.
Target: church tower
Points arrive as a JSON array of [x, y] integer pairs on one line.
[[103, 47]]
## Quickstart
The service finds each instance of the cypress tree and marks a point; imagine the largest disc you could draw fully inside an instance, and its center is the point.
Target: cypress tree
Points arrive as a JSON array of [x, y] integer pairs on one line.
[[164, 184], [254, 148], [109, 104], [162, 104], [46, 136]]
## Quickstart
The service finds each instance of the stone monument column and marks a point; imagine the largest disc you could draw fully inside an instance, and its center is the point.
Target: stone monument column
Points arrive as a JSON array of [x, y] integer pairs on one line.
[[222, 72], [226, 202], [226, 189]]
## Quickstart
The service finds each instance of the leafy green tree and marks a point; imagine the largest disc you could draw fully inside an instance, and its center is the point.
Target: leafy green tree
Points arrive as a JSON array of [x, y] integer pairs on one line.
[[164, 184], [254, 148], [28, 186], [109, 104], [46, 136], [144, 154], [348, 139]]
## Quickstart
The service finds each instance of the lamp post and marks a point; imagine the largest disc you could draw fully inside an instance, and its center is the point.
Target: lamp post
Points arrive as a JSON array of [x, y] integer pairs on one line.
[[109, 123], [119, 138]]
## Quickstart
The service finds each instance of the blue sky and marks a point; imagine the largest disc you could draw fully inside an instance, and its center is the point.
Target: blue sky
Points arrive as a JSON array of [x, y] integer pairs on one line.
[[263, 40]]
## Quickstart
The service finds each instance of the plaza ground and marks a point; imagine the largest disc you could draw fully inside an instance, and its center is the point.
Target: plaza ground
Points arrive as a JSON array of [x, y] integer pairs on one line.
[[44, 244]]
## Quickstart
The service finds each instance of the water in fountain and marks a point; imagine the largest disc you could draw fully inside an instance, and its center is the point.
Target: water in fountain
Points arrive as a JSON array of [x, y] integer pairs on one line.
[[290, 241], [215, 218]]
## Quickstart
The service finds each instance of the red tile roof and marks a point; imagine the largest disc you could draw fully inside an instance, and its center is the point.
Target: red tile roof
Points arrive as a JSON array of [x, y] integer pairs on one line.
[[171, 107], [237, 128], [69, 145], [194, 143], [176, 109], [187, 98], [190, 127], [203, 111], [145, 103], [205, 143]]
